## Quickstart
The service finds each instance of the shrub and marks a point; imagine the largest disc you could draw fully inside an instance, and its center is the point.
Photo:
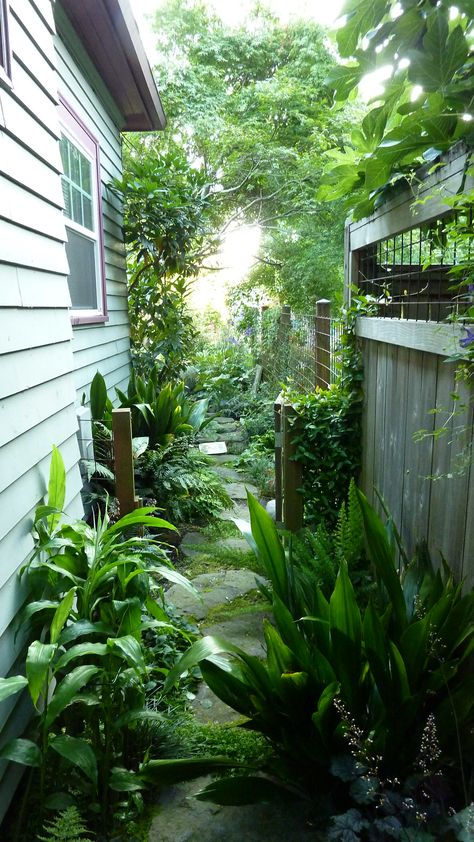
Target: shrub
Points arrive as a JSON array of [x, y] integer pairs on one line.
[[341, 675]]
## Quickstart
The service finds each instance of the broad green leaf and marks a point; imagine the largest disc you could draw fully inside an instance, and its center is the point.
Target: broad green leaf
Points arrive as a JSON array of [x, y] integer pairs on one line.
[[200, 650], [248, 789], [98, 397], [22, 751], [400, 683], [140, 517], [78, 752], [56, 487], [172, 575], [12, 685], [442, 56], [131, 650], [270, 548], [185, 769], [125, 780], [346, 635], [229, 687], [67, 689], [381, 555], [376, 652], [38, 664], [362, 16], [80, 651], [61, 615], [82, 628], [280, 658]]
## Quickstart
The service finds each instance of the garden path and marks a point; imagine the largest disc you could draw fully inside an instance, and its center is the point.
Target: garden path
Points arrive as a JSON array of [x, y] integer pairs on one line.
[[229, 607]]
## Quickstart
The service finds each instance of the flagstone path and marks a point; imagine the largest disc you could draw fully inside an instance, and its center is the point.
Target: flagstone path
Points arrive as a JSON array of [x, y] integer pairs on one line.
[[180, 817]]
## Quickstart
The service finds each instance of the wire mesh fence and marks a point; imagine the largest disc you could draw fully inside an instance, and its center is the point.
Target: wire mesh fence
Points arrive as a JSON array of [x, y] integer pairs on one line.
[[303, 349]]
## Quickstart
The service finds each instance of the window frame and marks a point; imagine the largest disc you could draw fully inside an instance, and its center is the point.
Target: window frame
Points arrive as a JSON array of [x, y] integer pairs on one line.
[[76, 131], [5, 50]]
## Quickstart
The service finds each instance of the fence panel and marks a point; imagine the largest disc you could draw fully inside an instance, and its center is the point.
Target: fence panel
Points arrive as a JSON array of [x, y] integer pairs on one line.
[[426, 488]]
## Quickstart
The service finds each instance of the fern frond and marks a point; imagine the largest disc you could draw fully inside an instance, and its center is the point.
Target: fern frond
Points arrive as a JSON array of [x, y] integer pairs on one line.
[[67, 826]]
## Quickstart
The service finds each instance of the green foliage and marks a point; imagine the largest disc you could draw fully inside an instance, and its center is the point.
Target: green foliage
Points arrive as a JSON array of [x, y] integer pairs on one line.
[[182, 481], [258, 461], [327, 438], [223, 372], [428, 50], [342, 675], [159, 413], [250, 103], [165, 205], [88, 673], [67, 826]]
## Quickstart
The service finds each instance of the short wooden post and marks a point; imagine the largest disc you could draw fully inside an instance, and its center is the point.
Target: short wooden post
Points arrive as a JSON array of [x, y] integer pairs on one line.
[[293, 506], [322, 330], [123, 455], [278, 466]]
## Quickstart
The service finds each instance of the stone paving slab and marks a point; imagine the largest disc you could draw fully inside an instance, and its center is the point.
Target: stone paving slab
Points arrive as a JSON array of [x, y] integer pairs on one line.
[[182, 818], [239, 511], [229, 474], [238, 490], [194, 538], [223, 458], [214, 589]]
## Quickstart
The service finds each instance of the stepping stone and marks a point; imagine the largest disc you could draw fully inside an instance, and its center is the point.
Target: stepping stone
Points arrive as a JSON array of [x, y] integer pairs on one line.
[[194, 538], [213, 448], [235, 544], [223, 421], [213, 589], [229, 474], [182, 818], [239, 510], [222, 458], [238, 490]]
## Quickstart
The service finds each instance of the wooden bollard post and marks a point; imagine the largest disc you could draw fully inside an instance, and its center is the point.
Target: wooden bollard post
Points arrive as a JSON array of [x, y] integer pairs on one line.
[[123, 453], [322, 357], [293, 504], [278, 462]]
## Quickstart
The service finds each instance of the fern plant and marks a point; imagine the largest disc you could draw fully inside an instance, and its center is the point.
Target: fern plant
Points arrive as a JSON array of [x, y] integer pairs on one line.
[[67, 826]]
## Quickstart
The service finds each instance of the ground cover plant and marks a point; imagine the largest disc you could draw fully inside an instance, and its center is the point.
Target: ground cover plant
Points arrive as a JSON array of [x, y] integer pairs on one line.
[[92, 680], [349, 695]]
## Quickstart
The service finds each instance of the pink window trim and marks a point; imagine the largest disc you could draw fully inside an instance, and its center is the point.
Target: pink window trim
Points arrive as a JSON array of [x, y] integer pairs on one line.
[[77, 127]]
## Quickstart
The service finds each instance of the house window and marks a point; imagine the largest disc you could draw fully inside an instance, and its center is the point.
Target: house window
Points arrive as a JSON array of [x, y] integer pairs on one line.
[[82, 208], [5, 57]]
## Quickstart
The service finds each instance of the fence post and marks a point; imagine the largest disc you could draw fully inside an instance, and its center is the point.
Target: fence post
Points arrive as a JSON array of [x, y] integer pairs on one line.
[[123, 458], [293, 506], [322, 341], [277, 408]]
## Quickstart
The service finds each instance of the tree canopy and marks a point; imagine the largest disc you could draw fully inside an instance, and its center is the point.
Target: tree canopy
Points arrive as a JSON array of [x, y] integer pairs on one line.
[[252, 110], [427, 104]]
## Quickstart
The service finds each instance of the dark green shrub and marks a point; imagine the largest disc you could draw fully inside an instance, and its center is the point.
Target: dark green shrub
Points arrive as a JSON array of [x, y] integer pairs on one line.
[[340, 674]]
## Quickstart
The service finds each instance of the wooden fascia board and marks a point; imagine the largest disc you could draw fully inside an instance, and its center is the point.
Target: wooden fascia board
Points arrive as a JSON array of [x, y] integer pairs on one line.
[[110, 36]]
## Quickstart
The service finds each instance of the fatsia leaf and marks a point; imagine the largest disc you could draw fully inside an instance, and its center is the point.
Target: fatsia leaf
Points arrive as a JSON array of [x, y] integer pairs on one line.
[[22, 751], [12, 685], [38, 663], [65, 692], [78, 752]]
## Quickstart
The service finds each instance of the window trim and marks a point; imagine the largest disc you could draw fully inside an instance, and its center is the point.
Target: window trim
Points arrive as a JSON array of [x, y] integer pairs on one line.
[[80, 135], [6, 62]]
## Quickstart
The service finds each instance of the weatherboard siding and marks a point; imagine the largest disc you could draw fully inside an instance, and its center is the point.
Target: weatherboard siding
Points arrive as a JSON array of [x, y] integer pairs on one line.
[[45, 364]]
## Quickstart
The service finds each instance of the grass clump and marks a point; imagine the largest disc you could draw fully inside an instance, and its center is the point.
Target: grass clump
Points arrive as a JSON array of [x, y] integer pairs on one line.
[[215, 557]]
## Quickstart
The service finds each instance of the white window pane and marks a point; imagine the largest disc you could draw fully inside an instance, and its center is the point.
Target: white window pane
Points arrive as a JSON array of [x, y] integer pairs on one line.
[[80, 251], [87, 213], [75, 157], [86, 175], [76, 206]]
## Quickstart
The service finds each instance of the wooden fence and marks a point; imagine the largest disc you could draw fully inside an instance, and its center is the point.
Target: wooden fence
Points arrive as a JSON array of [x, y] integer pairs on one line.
[[426, 479]]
